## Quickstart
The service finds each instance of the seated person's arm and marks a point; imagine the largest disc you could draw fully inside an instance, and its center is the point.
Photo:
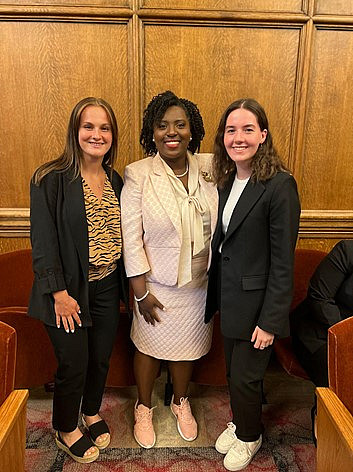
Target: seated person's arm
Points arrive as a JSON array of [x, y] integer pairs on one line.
[[325, 283]]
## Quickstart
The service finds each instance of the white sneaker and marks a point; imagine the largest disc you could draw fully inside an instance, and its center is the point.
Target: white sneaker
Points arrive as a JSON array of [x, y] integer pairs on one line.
[[226, 439], [241, 454]]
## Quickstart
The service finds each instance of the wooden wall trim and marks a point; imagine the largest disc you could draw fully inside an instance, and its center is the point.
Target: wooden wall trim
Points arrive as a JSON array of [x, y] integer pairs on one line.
[[71, 13], [301, 96], [14, 222], [333, 20], [224, 16], [336, 224], [136, 75], [65, 13]]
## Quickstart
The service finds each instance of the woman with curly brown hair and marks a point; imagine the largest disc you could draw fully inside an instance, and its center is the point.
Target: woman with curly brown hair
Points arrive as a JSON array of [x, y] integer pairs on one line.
[[251, 273], [169, 211]]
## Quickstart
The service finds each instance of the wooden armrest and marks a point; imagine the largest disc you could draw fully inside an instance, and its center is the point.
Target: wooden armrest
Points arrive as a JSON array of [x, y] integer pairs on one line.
[[13, 431], [334, 433]]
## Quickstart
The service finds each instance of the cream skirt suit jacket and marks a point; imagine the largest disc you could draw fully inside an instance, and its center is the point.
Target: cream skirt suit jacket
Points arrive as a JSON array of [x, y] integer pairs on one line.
[[166, 236]]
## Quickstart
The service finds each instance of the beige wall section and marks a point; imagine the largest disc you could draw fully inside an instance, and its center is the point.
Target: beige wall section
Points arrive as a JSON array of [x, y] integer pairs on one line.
[[294, 56]]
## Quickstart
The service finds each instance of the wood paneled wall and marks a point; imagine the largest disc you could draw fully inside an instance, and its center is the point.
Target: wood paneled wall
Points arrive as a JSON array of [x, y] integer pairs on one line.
[[294, 57]]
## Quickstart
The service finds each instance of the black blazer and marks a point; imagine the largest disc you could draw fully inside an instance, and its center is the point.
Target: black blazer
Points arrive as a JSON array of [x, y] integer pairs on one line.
[[329, 299], [257, 258], [59, 236]]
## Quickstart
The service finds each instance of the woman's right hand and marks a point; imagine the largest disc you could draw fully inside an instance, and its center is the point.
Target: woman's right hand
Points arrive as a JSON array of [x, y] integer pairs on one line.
[[66, 311], [147, 309]]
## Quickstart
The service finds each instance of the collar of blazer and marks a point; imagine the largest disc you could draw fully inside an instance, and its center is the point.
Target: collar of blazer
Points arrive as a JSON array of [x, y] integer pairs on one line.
[[209, 188], [165, 193], [247, 200]]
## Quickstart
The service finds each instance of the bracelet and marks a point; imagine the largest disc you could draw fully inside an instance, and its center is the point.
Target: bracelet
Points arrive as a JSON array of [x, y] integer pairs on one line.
[[142, 298]]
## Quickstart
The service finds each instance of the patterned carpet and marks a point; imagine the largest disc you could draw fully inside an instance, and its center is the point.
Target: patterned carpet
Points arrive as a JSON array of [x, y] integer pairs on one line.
[[287, 442]]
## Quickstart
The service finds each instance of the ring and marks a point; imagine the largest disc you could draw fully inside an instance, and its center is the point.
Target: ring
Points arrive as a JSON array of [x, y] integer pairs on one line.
[[262, 347]]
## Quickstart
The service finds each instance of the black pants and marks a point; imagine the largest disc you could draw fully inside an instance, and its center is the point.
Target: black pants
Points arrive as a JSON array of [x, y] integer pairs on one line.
[[83, 356], [246, 367], [314, 363]]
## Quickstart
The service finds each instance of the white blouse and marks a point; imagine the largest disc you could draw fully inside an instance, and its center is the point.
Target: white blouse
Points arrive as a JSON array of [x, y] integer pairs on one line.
[[237, 189]]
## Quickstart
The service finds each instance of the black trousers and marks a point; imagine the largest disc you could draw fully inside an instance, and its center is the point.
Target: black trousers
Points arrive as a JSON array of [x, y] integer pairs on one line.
[[314, 363], [83, 356], [246, 367]]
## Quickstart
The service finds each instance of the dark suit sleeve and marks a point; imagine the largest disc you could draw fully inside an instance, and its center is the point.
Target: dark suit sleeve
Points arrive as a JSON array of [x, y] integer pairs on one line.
[[283, 227], [47, 265], [325, 283]]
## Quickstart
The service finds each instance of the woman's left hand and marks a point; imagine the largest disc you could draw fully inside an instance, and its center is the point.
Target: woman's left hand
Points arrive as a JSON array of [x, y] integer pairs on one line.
[[261, 338]]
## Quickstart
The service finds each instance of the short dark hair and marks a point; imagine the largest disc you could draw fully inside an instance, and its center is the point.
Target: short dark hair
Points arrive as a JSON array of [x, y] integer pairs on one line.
[[154, 113]]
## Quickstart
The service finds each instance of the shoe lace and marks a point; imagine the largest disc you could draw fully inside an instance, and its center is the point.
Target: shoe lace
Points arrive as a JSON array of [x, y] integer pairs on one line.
[[230, 431], [144, 417], [240, 446], [184, 411]]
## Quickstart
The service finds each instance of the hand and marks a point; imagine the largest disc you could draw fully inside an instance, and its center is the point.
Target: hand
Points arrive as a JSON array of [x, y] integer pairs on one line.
[[66, 311], [147, 309], [261, 338]]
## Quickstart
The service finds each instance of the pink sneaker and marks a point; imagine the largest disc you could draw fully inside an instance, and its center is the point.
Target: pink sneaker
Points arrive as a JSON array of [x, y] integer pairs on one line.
[[186, 423], [143, 428]]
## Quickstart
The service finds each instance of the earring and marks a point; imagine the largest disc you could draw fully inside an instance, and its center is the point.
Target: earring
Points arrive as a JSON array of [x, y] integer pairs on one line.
[[190, 138], [153, 140]]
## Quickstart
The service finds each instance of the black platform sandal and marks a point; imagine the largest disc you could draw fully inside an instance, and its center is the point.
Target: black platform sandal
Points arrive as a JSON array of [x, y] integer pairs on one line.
[[78, 449], [97, 429]]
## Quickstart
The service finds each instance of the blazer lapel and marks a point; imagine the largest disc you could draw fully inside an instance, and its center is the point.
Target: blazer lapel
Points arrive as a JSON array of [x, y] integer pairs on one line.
[[116, 185], [76, 213], [210, 191], [247, 200], [164, 192]]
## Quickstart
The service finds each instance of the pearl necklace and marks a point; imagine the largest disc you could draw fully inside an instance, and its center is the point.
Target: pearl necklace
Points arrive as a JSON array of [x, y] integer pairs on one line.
[[184, 173]]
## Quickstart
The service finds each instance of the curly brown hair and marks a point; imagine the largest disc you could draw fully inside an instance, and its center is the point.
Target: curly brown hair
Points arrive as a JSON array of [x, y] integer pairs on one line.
[[154, 113], [266, 161]]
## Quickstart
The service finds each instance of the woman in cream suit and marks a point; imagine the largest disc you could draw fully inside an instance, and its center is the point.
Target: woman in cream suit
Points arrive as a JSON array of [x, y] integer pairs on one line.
[[169, 211]]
